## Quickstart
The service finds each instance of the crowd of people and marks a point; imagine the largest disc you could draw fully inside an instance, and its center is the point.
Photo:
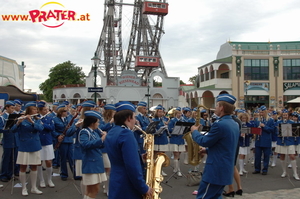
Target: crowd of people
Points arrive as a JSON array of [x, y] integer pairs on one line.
[[100, 145]]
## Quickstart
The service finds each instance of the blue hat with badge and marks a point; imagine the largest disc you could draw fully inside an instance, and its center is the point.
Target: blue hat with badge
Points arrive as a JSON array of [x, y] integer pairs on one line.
[[41, 104], [73, 106], [61, 106], [178, 109], [124, 106], [226, 98], [274, 113], [159, 107], [109, 107], [141, 103], [202, 111], [89, 103], [93, 114], [32, 103], [284, 111], [263, 108], [12, 103], [18, 101], [55, 103], [66, 102]]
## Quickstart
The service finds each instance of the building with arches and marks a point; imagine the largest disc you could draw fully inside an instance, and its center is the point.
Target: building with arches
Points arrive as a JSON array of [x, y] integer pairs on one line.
[[161, 89], [256, 73]]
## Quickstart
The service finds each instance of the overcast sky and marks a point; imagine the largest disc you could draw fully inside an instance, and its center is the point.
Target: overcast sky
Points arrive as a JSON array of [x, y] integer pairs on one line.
[[194, 32]]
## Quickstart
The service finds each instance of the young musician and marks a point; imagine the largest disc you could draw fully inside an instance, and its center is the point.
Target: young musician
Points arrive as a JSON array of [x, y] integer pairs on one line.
[[286, 146], [47, 153], [176, 142], [143, 122], [61, 121], [9, 144], [126, 177], [219, 166], [161, 142], [18, 108], [106, 124], [92, 161], [28, 128], [263, 142], [244, 141]]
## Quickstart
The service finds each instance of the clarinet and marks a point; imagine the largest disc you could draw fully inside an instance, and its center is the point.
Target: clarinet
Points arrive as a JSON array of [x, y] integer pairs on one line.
[[64, 133]]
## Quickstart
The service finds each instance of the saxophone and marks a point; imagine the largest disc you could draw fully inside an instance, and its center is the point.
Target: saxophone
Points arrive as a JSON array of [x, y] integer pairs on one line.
[[194, 158], [153, 168]]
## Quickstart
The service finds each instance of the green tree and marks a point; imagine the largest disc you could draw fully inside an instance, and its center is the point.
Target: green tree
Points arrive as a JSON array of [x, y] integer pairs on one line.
[[182, 82], [62, 74], [193, 79]]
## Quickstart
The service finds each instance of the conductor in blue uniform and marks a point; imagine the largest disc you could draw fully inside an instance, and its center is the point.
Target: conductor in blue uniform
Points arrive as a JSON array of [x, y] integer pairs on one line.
[[126, 177], [220, 145]]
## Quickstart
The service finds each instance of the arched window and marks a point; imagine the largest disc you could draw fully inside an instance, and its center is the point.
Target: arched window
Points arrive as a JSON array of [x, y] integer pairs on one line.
[[157, 81], [76, 95], [63, 96]]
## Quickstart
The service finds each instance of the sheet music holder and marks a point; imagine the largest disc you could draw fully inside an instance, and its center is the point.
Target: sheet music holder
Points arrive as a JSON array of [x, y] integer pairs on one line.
[[151, 128], [11, 120], [181, 128], [289, 130], [245, 130], [256, 130]]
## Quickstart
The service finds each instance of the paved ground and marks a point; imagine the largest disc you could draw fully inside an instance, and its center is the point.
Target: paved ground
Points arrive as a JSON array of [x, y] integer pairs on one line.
[[254, 186]]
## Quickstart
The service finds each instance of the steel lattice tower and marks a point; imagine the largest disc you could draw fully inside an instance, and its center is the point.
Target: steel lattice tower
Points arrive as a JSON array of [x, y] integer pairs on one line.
[[144, 39]]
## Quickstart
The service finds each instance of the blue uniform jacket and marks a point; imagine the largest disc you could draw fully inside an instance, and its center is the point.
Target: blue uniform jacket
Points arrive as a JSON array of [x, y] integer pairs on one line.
[[265, 139], [222, 141], [46, 133], [29, 135], [285, 141], [10, 139], [77, 155], [126, 176], [175, 139], [92, 160], [161, 139], [60, 126]]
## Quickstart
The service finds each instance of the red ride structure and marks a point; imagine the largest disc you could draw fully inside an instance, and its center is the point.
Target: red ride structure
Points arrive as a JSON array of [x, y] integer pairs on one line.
[[155, 8]]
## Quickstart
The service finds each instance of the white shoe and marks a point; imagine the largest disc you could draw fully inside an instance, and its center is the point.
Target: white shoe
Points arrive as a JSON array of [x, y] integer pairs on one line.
[[172, 157], [42, 184], [24, 192], [163, 173], [283, 174], [296, 176], [244, 171], [289, 166], [36, 191], [241, 173], [273, 165], [50, 184], [179, 174], [185, 162]]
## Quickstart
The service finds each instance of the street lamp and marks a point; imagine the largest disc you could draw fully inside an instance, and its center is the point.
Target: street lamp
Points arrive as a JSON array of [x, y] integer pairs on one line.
[[247, 83], [148, 96], [95, 63]]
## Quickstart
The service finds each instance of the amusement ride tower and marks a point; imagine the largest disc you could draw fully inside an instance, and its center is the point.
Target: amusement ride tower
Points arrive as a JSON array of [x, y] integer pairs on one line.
[[130, 42]]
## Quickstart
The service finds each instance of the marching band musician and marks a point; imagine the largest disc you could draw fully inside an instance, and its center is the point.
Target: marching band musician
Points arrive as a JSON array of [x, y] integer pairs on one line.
[[61, 121], [244, 141], [106, 125], [28, 129], [143, 121], [263, 142], [220, 161], [92, 161], [161, 142], [193, 116], [274, 115], [10, 147], [56, 160], [286, 146], [47, 153], [126, 178], [18, 108], [186, 117], [176, 142], [86, 106]]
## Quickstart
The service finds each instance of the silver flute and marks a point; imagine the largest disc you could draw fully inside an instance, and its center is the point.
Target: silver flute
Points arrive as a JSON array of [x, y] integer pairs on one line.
[[24, 117]]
